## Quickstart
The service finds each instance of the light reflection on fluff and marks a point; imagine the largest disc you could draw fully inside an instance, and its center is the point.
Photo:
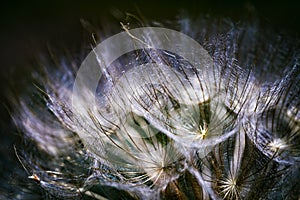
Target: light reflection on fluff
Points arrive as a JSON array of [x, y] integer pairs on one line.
[[168, 131]]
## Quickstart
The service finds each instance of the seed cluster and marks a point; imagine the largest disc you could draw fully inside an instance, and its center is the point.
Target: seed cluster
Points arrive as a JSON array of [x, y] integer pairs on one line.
[[163, 128]]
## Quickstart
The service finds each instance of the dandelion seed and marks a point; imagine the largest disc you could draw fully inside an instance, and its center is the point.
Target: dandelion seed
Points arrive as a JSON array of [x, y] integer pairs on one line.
[[34, 177], [229, 188], [163, 126], [277, 144], [203, 131]]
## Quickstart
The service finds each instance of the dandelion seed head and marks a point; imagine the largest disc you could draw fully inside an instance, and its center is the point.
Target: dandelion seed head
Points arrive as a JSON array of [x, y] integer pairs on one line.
[[162, 168], [229, 188], [203, 131], [156, 119], [277, 144]]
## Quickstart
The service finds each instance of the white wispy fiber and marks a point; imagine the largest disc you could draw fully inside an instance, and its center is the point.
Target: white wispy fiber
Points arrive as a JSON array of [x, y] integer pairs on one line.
[[163, 128]]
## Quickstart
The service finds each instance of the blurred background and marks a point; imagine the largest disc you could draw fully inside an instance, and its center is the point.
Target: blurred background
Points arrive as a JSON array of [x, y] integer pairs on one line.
[[27, 28]]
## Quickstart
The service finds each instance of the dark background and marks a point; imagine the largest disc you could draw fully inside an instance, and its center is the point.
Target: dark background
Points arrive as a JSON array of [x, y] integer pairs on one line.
[[27, 28]]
